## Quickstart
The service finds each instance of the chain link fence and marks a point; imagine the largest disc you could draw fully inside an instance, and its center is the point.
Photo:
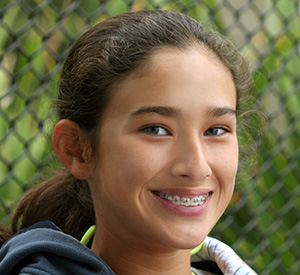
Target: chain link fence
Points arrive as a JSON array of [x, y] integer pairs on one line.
[[263, 221]]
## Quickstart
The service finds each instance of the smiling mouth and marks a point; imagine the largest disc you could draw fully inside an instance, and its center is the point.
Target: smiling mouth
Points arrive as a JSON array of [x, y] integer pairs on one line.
[[184, 201]]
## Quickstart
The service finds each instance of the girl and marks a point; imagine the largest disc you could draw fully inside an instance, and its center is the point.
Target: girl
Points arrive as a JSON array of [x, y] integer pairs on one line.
[[148, 105]]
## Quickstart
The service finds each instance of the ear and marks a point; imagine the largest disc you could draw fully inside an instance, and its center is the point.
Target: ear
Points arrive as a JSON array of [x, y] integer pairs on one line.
[[71, 147]]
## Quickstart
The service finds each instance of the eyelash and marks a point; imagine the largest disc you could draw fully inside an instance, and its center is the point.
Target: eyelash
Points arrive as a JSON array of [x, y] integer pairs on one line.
[[156, 127]]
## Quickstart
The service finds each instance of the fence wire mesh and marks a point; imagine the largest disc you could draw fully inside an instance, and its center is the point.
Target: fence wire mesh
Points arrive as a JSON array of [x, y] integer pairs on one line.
[[263, 221]]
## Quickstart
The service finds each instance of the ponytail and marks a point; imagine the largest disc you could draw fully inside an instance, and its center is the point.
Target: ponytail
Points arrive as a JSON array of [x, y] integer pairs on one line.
[[5, 234], [63, 199]]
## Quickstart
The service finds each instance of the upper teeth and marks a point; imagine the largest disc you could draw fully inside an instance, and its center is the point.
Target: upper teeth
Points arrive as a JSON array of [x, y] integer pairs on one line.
[[185, 201]]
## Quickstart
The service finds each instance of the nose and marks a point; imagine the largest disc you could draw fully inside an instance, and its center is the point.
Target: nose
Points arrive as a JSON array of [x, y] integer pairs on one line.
[[190, 161]]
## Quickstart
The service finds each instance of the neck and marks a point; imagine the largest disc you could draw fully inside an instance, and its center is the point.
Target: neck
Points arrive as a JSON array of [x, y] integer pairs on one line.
[[126, 258]]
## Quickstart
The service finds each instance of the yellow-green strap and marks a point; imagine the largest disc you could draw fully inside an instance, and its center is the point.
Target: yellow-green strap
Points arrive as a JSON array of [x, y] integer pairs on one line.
[[88, 235], [196, 249]]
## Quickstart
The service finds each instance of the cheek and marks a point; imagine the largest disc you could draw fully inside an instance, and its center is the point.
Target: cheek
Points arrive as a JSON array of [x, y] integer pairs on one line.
[[127, 165], [226, 163], [230, 166], [225, 167]]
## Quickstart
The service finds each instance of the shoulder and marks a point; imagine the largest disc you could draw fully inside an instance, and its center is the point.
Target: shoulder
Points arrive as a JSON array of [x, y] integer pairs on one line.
[[45, 249]]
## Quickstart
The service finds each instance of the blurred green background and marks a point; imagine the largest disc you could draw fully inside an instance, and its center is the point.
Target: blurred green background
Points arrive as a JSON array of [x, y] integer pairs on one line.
[[263, 221]]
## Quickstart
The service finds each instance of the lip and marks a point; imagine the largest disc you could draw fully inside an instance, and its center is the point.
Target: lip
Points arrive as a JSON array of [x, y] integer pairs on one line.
[[184, 192], [180, 210]]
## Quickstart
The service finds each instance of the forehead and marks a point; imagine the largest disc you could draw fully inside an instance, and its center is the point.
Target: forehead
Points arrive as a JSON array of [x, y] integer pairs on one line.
[[171, 76], [168, 56]]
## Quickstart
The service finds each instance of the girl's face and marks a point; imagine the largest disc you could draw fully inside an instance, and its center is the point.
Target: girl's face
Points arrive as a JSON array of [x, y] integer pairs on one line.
[[168, 152]]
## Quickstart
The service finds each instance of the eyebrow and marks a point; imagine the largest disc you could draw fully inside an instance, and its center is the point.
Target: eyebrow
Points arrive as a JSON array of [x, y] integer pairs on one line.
[[173, 112], [161, 110], [221, 111]]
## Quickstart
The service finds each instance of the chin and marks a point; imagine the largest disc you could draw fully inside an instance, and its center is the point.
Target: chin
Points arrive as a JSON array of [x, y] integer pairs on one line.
[[187, 239]]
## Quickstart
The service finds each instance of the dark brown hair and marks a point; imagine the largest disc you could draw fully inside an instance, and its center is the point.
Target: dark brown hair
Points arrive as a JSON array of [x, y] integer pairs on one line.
[[100, 58]]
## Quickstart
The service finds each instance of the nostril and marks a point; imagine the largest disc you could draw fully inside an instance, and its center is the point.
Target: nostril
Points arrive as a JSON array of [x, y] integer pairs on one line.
[[186, 176]]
